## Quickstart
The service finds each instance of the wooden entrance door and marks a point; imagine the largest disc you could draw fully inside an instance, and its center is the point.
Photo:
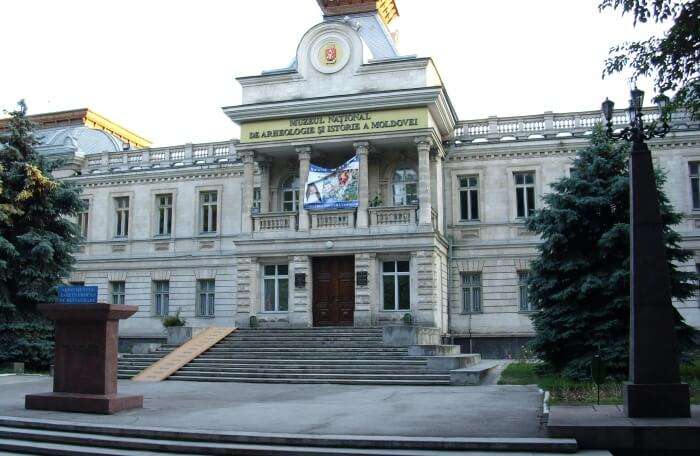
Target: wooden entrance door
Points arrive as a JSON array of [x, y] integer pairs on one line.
[[334, 291]]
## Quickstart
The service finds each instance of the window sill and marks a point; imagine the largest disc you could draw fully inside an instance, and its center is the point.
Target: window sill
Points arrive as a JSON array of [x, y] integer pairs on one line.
[[469, 222], [120, 238], [162, 237], [397, 310], [208, 235], [205, 316], [273, 312], [481, 312]]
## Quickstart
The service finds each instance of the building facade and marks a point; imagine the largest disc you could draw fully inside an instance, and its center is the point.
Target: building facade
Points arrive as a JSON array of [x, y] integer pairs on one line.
[[219, 231]]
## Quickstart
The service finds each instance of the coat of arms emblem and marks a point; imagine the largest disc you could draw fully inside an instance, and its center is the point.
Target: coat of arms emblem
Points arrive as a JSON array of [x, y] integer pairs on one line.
[[330, 53]]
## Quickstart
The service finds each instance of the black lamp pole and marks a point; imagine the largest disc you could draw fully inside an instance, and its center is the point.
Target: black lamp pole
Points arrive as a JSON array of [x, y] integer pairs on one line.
[[654, 388]]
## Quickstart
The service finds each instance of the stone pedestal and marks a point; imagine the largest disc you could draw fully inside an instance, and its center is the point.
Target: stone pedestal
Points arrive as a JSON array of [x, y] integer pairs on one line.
[[85, 360]]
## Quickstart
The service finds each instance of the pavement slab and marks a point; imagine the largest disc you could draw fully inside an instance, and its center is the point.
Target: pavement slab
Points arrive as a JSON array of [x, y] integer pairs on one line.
[[420, 411]]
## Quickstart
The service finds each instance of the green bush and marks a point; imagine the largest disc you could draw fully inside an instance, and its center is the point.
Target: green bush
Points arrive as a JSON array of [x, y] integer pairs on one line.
[[174, 320]]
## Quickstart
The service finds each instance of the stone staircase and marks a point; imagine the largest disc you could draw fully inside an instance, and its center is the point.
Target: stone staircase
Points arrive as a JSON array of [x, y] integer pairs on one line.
[[313, 355]]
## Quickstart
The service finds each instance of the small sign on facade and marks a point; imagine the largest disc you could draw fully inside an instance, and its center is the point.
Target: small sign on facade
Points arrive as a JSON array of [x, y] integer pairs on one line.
[[300, 280], [77, 294], [361, 278]]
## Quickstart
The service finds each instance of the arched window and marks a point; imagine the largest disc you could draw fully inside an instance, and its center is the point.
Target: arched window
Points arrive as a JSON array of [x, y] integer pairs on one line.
[[290, 194], [405, 186]]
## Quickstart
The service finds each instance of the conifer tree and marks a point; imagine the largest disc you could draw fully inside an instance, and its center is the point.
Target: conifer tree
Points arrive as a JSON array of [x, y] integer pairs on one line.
[[581, 280], [37, 238]]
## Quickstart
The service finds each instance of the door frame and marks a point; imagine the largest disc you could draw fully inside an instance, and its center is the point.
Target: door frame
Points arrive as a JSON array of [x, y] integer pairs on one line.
[[314, 295]]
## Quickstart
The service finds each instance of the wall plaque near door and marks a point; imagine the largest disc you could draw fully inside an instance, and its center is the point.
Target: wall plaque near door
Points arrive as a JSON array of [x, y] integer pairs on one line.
[[361, 278], [300, 280]]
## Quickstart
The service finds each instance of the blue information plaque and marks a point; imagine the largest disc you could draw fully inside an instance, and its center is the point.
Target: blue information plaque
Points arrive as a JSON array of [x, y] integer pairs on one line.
[[77, 295]]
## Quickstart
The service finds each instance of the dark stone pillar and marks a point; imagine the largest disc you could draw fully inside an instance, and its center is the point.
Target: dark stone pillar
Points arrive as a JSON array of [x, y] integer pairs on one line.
[[654, 388], [85, 360]]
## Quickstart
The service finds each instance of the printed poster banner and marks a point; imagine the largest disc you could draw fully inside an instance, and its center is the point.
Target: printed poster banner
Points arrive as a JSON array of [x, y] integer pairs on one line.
[[332, 188]]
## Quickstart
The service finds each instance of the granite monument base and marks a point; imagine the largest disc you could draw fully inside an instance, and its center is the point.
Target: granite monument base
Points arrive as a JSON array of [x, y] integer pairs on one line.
[[85, 360], [663, 400], [82, 403]]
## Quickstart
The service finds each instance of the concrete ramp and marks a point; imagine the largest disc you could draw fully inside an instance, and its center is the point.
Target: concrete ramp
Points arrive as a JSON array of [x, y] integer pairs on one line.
[[182, 355]]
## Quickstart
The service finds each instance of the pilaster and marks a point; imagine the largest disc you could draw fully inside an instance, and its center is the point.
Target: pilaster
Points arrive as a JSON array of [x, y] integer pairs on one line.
[[426, 305], [365, 295], [264, 166], [300, 314], [436, 164], [246, 290]]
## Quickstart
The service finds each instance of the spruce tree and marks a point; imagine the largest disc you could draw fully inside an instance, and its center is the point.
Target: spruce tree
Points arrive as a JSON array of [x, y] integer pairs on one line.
[[37, 239], [581, 280]]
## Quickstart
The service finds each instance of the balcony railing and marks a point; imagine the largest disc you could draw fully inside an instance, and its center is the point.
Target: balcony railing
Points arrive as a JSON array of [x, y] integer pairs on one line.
[[162, 157], [392, 215], [329, 220], [275, 221], [550, 124]]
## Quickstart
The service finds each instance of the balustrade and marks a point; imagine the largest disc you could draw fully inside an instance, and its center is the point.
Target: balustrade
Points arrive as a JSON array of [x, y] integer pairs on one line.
[[551, 125], [163, 156], [275, 221], [393, 215], [344, 218]]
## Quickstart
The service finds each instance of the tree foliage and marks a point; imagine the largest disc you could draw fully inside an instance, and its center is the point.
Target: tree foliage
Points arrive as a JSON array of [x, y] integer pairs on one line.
[[581, 280], [37, 238], [673, 61]]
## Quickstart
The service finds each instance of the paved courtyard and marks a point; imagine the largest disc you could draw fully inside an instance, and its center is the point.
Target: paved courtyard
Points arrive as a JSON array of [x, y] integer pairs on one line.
[[478, 411]]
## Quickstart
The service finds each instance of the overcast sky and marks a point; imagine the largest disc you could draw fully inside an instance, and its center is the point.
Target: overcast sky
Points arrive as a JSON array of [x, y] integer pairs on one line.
[[164, 68]]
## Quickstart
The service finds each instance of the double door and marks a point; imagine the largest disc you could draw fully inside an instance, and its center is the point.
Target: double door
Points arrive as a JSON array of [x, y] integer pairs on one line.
[[333, 291]]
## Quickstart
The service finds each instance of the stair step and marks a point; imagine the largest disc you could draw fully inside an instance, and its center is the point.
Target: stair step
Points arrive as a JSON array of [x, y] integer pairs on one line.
[[343, 381]]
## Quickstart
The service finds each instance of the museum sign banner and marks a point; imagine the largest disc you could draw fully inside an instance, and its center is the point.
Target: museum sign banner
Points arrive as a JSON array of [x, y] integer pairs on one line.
[[329, 125], [332, 188]]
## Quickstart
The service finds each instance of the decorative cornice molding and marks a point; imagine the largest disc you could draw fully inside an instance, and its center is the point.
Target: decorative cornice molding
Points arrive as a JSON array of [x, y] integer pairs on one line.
[[111, 180]]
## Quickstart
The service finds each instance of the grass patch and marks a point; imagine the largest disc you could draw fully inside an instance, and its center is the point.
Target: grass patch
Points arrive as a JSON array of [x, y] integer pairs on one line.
[[570, 392]]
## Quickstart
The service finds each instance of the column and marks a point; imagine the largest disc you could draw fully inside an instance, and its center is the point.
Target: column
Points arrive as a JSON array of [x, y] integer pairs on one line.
[[247, 157], [304, 153], [362, 152], [264, 185], [425, 207]]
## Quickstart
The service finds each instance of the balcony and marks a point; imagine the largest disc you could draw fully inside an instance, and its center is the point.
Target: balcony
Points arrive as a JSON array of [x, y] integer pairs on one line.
[[275, 221]]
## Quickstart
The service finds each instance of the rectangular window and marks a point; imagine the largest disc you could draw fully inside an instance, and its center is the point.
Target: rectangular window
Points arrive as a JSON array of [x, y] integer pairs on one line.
[[471, 292], [83, 218], [469, 197], [523, 296], [118, 292], [161, 297], [525, 193], [205, 297], [396, 285], [276, 288], [164, 208], [209, 206], [257, 200], [121, 205], [695, 184]]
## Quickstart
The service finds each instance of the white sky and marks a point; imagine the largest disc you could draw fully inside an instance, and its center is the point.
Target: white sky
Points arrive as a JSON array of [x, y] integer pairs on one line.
[[164, 68]]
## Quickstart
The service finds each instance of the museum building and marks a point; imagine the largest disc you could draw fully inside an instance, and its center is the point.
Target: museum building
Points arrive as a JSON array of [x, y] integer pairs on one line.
[[354, 196]]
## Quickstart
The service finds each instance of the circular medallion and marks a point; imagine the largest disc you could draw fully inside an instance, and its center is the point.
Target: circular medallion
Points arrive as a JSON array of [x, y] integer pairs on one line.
[[330, 53]]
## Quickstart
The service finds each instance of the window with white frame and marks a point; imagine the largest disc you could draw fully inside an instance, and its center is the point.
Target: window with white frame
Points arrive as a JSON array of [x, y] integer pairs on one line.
[[208, 211], [396, 285], [164, 208], [161, 297], [471, 292], [524, 193], [121, 205], [290, 194], [83, 218], [117, 292], [694, 184], [257, 200], [205, 297], [469, 197], [405, 186], [524, 301], [275, 288]]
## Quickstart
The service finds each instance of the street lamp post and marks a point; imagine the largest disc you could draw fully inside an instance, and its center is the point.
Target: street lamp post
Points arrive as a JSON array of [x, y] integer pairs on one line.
[[654, 388]]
